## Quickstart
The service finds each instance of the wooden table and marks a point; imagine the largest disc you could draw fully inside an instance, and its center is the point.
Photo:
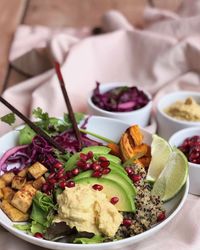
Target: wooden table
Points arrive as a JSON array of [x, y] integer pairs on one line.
[[59, 13]]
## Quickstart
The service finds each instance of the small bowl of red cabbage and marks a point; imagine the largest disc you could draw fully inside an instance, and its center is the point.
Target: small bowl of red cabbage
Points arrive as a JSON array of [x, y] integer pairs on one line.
[[121, 101]]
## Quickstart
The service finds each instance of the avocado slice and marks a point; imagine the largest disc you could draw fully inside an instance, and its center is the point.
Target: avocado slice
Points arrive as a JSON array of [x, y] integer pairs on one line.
[[121, 178], [96, 150], [112, 189]]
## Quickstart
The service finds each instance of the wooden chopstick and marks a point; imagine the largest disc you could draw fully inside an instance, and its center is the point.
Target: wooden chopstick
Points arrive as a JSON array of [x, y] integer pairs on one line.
[[69, 106], [37, 129]]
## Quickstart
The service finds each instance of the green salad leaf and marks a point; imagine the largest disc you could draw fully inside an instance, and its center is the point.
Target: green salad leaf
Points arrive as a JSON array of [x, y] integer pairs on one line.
[[9, 118], [93, 240]]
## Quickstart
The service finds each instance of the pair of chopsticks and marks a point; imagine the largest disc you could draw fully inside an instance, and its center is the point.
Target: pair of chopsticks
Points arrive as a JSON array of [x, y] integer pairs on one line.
[[37, 129]]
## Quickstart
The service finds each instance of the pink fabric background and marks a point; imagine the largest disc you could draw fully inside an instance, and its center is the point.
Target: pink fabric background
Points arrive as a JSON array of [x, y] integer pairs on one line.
[[162, 57]]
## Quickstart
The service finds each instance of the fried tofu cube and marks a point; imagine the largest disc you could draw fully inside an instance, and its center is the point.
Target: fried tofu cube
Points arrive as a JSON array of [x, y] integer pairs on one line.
[[22, 199], [18, 182], [37, 184], [37, 170], [7, 177], [2, 183], [8, 193], [1, 194], [23, 172], [13, 213]]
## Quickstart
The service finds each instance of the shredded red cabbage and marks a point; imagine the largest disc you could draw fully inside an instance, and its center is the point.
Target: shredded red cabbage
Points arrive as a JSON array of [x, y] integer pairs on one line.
[[120, 99]]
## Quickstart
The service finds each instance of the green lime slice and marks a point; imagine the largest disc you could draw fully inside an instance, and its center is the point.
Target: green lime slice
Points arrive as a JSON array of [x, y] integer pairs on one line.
[[160, 151], [173, 176]]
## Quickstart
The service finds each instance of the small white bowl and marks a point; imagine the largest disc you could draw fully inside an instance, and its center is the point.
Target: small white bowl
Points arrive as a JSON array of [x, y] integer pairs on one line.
[[140, 116], [194, 169], [168, 125]]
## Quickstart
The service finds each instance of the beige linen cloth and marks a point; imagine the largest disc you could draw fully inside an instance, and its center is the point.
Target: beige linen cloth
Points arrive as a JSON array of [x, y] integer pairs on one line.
[[161, 57]]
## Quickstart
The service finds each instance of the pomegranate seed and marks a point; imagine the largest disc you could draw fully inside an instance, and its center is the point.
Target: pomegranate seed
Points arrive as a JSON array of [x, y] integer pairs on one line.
[[161, 216], [114, 200], [63, 184], [52, 181], [60, 173], [38, 235], [106, 171], [83, 156], [97, 187], [70, 184], [95, 166], [127, 222], [129, 170], [96, 174], [104, 164], [81, 164], [51, 175], [87, 166], [75, 171], [136, 177], [102, 158], [58, 165], [45, 187], [90, 155]]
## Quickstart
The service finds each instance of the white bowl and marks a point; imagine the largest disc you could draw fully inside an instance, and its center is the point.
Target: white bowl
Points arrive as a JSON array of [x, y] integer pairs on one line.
[[194, 169], [140, 116], [111, 129], [168, 125]]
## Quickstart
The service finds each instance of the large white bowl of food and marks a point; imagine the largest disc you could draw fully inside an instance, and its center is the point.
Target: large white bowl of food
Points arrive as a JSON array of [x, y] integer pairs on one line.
[[105, 195]]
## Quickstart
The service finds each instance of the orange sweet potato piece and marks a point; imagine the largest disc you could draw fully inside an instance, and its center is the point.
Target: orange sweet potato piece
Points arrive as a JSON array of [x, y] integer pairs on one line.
[[115, 150]]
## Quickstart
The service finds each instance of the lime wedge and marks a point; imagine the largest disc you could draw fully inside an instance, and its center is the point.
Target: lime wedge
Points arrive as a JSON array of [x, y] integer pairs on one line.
[[160, 151], [173, 176]]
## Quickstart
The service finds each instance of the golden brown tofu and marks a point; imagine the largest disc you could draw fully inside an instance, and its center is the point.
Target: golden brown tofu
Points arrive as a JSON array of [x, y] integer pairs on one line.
[[2, 183], [8, 193], [13, 213], [22, 199], [37, 170], [37, 184], [7, 177], [18, 182], [23, 172], [1, 194]]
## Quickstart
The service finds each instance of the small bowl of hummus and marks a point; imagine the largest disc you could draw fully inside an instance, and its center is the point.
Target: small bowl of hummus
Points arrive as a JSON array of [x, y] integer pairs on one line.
[[176, 111]]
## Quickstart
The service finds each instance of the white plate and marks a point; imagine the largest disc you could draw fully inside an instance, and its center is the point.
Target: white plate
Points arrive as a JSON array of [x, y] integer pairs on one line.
[[112, 129]]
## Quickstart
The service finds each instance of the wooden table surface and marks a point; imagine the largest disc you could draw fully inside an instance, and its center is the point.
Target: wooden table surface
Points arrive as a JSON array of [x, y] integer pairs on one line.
[[60, 13]]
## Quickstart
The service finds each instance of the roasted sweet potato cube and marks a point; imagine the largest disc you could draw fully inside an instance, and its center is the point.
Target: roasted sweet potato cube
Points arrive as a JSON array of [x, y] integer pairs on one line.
[[23, 172], [22, 199], [8, 193], [136, 134], [37, 170], [145, 160], [7, 177], [141, 149], [18, 182], [37, 184], [1, 194], [2, 183], [13, 213]]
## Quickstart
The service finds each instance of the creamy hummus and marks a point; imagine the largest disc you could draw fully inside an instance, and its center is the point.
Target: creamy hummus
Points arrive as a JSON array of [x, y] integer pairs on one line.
[[88, 210], [188, 110]]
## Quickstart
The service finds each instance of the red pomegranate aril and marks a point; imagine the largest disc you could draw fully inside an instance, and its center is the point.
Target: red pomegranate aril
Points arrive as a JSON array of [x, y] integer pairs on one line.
[[83, 156], [87, 166], [45, 187], [63, 184], [70, 184], [129, 170], [81, 164], [97, 174], [58, 165], [114, 200], [95, 166], [51, 175], [60, 174], [135, 177], [38, 235], [102, 158], [106, 171], [52, 180], [127, 222], [75, 171], [97, 187], [161, 216], [90, 155], [104, 164]]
